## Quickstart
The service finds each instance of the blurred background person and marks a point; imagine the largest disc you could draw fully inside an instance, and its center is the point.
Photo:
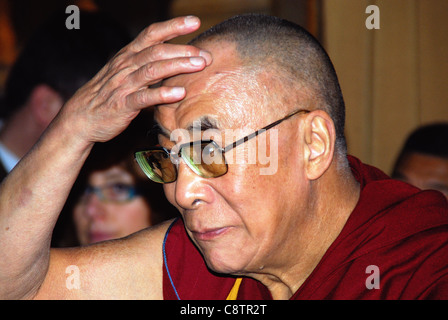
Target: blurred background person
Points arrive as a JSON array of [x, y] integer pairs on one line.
[[423, 160], [112, 197], [54, 63]]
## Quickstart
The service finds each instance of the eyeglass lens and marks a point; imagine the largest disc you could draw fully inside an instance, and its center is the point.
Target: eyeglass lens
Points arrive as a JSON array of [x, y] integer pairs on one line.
[[205, 159], [116, 192]]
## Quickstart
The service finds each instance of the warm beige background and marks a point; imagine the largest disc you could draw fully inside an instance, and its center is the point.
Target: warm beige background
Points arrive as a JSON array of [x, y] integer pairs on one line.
[[394, 78]]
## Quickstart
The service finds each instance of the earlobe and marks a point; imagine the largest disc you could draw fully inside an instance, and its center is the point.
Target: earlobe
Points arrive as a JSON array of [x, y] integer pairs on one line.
[[320, 138]]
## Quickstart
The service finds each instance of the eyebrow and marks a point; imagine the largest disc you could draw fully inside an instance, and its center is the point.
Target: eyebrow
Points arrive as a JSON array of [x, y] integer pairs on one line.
[[159, 129], [206, 122], [118, 176]]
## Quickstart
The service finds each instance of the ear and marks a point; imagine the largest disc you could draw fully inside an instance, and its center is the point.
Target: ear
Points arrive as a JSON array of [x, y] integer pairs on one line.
[[44, 103], [320, 137]]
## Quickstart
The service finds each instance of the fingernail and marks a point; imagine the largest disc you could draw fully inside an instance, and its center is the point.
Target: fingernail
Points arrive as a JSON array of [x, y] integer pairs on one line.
[[191, 21], [196, 61]]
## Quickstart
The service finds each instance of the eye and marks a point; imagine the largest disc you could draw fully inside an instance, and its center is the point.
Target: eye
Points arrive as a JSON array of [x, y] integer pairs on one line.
[[119, 187], [211, 154], [88, 190], [119, 192], [209, 151]]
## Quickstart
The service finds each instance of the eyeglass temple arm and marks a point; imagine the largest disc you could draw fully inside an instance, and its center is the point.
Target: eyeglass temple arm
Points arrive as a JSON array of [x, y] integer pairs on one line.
[[256, 133]]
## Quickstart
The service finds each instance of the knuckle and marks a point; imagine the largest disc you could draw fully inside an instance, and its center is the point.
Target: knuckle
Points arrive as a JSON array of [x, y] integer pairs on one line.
[[149, 71], [156, 52], [148, 32], [175, 24], [142, 38], [141, 98]]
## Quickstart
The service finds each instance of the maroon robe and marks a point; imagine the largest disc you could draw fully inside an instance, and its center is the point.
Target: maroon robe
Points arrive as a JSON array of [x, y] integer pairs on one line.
[[396, 239]]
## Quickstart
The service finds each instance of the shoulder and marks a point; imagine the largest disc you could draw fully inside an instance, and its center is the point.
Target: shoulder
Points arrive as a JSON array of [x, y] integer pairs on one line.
[[127, 268], [399, 209], [400, 231]]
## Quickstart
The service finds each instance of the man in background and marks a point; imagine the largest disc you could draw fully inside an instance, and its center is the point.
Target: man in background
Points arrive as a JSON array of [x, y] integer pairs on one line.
[[423, 161]]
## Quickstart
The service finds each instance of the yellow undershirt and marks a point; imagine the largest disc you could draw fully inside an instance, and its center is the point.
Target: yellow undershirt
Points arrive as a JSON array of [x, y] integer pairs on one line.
[[233, 294]]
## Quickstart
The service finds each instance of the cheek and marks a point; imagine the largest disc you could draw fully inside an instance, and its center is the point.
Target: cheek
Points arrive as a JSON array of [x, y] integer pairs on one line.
[[257, 216], [82, 224], [252, 196], [133, 216], [169, 190], [262, 201], [244, 184], [79, 217]]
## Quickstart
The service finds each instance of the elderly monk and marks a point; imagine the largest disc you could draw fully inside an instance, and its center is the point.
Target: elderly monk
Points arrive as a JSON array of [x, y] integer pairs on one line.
[[321, 226]]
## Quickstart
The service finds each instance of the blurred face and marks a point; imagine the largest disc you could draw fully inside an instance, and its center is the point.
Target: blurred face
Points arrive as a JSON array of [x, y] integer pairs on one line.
[[425, 172], [242, 222], [110, 208]]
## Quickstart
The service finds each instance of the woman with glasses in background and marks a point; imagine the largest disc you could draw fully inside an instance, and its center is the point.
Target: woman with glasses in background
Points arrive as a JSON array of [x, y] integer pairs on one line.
[[112, 197]]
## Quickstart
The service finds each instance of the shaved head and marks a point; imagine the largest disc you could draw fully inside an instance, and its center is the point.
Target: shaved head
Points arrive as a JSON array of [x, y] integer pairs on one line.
[[289, 54]]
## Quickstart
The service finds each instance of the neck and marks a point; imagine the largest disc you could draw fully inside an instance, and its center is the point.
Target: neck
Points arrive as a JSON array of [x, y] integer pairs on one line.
[[332, 198]]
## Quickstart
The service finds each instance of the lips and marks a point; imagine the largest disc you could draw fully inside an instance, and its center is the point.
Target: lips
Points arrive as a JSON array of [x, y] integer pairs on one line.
[[210, 234], [100, 236]]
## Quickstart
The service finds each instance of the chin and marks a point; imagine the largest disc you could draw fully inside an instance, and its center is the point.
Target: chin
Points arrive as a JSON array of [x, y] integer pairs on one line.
[[222, 267], [226, 261], [227, 253]]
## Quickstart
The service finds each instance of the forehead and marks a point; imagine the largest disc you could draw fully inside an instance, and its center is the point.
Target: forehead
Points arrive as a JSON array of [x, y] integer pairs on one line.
[[425, 166], [112, 174], [224, 91]]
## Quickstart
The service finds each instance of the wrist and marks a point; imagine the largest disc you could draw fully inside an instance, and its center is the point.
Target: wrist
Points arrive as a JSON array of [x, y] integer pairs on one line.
[[66, 135]]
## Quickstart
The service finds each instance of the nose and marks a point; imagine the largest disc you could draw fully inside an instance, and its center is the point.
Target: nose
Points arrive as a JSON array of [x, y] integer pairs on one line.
[[191, 190], [94, 207]]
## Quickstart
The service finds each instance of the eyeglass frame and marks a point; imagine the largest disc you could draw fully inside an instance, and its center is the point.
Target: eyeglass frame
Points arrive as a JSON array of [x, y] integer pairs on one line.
[[229, 147], [132, 190]]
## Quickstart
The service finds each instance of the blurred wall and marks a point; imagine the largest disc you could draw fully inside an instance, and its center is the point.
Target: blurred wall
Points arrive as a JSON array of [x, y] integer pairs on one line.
[[211, 12], [393, 79]]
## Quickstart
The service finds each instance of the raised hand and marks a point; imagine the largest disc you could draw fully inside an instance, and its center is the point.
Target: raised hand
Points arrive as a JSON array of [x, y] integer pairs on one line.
[[106, 105]]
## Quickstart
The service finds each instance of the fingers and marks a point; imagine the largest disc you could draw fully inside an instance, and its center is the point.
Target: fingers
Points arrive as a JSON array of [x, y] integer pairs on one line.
[[147, 60], [115, 95], [169, 51], [147, 97], [152, 73], [163, 31], [155, 71]]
